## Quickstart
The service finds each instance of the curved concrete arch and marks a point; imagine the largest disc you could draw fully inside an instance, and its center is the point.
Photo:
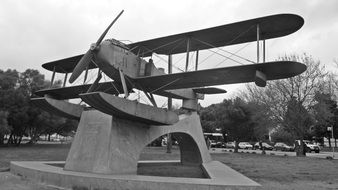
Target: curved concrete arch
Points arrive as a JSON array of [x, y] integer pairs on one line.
[[110, 145], [189, 150], [190, 153]]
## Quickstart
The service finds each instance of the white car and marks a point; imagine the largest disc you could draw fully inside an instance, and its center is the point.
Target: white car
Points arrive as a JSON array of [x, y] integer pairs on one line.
[[230, 145], [311, 147], [283, 147], [245, 145]]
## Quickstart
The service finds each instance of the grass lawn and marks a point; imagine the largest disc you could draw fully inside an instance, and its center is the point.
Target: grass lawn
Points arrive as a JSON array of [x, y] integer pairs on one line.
[[272, 172]]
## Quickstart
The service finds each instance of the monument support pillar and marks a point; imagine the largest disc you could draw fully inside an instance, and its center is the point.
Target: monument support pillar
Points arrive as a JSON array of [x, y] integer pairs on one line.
[[105, 144]]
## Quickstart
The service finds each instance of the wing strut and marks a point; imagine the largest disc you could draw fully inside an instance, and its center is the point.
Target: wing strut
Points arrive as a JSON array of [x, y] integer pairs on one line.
[[65, 81], [151, 98], [149, 95], [53, 76], [86, 75], [124, 85], [258, 43], [187, 58], [96, 82], [263, 51], [196, 62]]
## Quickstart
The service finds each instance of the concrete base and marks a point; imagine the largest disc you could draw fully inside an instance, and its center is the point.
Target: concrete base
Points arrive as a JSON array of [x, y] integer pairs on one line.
[[105, 144], [220, 177], [105, 153]]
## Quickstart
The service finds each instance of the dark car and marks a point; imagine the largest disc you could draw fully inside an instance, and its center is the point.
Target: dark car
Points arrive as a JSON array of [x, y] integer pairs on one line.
[[216, 144], [283, 147], [265, 145]]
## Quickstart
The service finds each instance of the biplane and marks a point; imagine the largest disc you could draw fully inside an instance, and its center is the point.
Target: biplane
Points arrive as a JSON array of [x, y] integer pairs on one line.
[[125, 64]]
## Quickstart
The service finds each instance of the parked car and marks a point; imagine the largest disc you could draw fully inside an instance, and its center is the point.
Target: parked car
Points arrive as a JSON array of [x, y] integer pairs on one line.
[[216, 140], [283, 147], [311, 147], [265, 145], [230, 145], [245, 145], [216, 144]]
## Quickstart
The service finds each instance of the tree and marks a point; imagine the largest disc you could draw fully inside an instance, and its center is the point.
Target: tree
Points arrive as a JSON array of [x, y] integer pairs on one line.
[[68, 128], [13, 102], [208, 118], [280, 135], [262, 119], [279, 95], [8, 84], [297, 121], [235, 120], [22, 115], [324, 113], [23, 118], [39, 122], [8, 79], [31, 80], [4, 127]]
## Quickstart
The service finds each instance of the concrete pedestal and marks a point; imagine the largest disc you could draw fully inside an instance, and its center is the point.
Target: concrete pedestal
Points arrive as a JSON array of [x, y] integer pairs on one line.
[[105, 144], [105, 153]]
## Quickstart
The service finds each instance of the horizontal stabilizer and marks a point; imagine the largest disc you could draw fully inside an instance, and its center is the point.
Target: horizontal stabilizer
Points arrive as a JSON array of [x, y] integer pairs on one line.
[[209, 90]]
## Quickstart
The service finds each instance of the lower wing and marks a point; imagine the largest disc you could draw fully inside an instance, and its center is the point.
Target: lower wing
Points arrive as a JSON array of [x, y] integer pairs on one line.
[[219, 76]]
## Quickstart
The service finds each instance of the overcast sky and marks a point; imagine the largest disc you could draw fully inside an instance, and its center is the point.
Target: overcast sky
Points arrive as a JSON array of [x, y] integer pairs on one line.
[[33, 32]]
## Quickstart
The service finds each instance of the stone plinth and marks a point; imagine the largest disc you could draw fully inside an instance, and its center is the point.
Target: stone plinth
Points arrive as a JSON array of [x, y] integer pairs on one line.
[[109, 145]]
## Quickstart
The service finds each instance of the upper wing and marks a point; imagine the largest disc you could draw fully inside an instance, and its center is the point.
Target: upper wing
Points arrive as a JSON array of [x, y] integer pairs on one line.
[[74, 91], [270, 27], [65, 65], [220, 76]]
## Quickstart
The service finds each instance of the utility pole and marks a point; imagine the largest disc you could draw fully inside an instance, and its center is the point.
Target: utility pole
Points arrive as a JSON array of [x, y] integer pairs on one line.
[[331, 129], [170, 70]]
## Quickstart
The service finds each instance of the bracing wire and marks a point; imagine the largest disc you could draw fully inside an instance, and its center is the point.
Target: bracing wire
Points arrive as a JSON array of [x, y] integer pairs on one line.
[[206, 43], [220, 49], [208, 57], [173, 64], [152, 50], [163, 86], [240, 49]]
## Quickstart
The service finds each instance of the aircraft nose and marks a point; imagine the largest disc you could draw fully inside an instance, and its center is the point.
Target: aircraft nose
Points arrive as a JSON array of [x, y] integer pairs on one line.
[[105, 53]]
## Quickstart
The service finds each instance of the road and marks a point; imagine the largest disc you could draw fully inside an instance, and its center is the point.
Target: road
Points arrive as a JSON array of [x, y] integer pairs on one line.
[[278, 153]]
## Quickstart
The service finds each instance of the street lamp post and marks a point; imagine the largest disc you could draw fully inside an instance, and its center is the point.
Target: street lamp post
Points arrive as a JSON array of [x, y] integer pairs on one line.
[[331, 129]]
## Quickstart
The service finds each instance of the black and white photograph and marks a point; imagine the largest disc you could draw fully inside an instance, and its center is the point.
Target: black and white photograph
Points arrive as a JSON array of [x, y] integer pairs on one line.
[[164, 95]]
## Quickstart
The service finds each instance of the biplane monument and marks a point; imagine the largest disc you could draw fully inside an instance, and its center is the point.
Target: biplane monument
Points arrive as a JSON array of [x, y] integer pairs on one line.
[[113, 130]]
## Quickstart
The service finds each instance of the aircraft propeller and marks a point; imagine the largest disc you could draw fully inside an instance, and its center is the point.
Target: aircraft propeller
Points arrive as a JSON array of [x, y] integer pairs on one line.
[[87, 57]]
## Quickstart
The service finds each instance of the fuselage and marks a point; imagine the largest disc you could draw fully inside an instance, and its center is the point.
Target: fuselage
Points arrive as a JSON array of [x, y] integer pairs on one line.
[[113, 57]]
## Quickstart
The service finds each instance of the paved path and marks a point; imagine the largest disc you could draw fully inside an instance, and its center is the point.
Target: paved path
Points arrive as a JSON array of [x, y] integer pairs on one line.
[[9, 181], [278, 153]]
